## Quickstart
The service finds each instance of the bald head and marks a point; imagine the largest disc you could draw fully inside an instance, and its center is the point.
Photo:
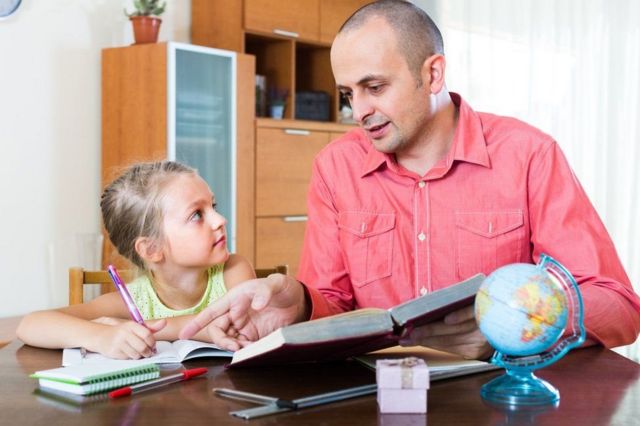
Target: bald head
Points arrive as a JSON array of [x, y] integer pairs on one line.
[[417, 35]]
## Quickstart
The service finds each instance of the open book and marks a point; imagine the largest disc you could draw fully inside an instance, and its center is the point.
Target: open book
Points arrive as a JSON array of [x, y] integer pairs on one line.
[[167, 353], [442, 365], [356, 332]]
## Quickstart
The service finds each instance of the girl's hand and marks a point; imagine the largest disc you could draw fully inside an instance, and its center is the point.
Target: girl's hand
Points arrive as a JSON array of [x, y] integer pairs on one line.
[[127, 340], [109, 321]]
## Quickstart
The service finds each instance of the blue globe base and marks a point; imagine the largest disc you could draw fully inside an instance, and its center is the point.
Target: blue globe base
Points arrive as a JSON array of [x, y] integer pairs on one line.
[[518, 387]]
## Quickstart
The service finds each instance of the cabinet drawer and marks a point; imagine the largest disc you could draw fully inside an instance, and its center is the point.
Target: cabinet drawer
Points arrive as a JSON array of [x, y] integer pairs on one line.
[[298, 19], [333, 13], [279, 241], [283, 168]]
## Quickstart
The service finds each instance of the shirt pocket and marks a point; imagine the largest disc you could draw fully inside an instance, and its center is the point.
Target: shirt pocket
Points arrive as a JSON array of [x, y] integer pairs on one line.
[[366, 240], [487, 240]]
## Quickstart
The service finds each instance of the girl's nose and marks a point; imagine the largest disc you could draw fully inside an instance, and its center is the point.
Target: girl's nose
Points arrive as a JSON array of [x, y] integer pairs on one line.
[[217, 220]]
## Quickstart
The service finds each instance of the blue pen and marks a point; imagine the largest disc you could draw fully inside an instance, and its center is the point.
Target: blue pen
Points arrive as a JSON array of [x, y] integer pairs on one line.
[[122, 289]]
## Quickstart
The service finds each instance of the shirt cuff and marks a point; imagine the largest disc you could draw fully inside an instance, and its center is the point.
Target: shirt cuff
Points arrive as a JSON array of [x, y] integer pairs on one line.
[[319, 305]]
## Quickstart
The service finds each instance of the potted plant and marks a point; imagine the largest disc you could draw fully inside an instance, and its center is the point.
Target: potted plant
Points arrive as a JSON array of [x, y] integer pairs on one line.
[[145, 19], [277, 102]]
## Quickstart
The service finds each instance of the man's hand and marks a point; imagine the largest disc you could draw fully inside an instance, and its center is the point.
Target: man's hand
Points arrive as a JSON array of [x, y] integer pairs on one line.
[[457, 333], [249, 311]]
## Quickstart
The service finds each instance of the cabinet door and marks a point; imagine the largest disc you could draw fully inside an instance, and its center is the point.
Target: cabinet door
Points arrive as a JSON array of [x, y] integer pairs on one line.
[[279, 241], [333, 13], [283, 168], [203, 133], [297, 18]]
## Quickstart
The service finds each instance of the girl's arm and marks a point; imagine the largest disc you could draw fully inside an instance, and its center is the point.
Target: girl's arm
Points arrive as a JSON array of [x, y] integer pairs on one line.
[[73, 327], [236, 270]]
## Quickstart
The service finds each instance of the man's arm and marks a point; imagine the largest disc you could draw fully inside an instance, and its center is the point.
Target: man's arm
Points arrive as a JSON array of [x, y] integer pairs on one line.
[[321, 264], [565, 225]]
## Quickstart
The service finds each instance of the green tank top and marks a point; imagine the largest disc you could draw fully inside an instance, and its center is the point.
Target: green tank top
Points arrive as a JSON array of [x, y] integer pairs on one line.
[[151, 307]]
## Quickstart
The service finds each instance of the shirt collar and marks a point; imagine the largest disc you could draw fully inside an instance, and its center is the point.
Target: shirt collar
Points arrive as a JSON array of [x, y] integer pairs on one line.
[[468, 142]]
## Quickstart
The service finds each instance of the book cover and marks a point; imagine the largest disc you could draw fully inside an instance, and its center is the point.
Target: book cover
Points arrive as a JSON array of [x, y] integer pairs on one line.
[[356, 332], [167, 353], [88, 379]]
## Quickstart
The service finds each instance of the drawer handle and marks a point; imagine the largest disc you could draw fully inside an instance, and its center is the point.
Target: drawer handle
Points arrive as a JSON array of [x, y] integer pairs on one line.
[[295, 218], [297, 132], [285, 33]]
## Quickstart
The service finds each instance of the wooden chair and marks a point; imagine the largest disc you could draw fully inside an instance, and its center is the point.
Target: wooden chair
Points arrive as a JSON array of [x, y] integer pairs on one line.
[[78, 277], [265, 272]]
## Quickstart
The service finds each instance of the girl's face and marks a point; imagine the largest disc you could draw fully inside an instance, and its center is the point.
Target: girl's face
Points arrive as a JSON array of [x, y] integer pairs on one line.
[[194, 232]]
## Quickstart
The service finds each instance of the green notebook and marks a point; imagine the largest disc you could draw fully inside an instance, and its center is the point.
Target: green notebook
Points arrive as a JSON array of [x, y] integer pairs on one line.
[[93, 378]]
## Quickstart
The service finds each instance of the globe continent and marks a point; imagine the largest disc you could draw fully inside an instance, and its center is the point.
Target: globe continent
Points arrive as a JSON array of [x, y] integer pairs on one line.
[[521, 309]]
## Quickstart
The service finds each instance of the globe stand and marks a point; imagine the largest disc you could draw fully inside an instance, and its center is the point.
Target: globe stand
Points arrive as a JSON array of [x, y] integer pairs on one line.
[[519, 386]]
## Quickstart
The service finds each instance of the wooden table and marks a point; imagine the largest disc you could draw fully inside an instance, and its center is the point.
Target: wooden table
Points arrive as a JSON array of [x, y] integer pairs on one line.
[[597, 387]]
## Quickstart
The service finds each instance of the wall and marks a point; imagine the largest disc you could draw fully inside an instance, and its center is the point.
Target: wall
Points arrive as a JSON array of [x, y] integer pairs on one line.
[[50, 138]]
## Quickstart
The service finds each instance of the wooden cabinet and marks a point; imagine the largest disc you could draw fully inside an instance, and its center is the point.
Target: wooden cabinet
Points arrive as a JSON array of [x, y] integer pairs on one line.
[[283, 167], [189, 103], [290, 40], [297, 19], [279, 241], [285, 150], [333, 13]]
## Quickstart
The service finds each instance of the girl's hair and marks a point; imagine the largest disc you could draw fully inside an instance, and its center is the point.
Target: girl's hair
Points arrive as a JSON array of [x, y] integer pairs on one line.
[[131, 205]]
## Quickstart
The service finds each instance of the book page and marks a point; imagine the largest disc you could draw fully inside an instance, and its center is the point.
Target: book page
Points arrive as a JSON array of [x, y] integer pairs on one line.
[[436, 360], [167, 353], [189, 349]]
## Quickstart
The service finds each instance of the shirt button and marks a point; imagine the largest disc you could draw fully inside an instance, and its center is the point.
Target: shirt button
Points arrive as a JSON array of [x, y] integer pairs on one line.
[[421, 236], [423, 291], [421, 184]]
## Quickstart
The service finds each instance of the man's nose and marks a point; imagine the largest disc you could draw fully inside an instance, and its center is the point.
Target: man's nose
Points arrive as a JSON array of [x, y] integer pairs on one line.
[[362, 108]]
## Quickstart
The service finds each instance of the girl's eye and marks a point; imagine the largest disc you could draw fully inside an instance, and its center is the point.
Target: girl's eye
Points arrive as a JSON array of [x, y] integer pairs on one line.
[[196, 216], [214, 206]]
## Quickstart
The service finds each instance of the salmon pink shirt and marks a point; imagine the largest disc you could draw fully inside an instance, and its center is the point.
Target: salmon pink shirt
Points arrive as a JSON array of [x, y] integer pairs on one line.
[[378, 234]]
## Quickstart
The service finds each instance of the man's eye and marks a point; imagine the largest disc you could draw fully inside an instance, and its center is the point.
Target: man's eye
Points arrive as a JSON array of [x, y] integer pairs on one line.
[[376, 89], [214, 206]]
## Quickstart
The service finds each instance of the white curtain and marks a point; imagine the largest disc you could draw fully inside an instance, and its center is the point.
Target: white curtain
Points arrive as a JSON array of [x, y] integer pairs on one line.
[[572, 69]]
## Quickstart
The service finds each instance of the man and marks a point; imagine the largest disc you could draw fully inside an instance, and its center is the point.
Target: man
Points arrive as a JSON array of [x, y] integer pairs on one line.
[[426, 193]]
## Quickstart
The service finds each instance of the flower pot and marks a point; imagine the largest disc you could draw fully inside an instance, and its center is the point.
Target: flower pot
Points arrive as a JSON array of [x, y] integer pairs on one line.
[[145, 29], [277, 111]]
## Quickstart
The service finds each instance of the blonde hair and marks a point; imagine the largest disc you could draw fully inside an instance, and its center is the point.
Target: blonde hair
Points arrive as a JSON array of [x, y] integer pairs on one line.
[[131, 205]]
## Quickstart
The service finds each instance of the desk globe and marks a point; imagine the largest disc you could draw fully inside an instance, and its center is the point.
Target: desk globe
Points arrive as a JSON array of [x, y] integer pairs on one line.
[[532, 315]]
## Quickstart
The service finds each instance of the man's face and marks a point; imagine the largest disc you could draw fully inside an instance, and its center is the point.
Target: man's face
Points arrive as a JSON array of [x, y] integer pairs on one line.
[[389, 102]]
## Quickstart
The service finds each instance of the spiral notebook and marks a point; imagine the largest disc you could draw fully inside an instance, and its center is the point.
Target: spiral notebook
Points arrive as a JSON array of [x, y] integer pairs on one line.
[[93, 378]]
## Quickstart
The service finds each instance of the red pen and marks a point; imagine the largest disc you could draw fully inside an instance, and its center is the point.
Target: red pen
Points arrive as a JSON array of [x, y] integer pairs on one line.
[[162, 381]]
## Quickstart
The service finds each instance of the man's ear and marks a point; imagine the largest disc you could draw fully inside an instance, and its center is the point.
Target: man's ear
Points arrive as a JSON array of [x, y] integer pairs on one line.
[[433, 72], [149, 250]]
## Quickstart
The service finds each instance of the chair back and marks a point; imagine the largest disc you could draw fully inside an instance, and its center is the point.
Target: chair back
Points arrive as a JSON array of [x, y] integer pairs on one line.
[[79, 277], [265, 272]]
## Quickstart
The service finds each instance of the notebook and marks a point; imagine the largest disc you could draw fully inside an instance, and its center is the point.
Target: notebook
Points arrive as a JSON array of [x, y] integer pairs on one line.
[[167, 353], [88, 379]]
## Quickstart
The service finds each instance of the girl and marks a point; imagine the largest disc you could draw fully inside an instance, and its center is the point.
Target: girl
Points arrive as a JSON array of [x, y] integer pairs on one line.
[[162, 217]]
